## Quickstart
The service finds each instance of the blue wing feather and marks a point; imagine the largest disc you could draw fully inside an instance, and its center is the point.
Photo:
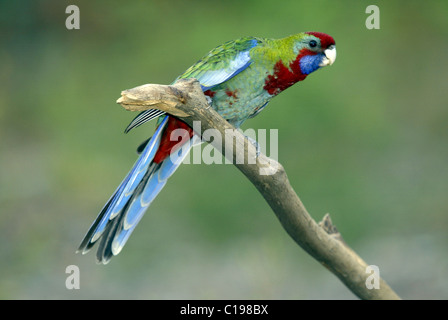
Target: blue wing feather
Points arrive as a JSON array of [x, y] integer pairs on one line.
[[207, 77]]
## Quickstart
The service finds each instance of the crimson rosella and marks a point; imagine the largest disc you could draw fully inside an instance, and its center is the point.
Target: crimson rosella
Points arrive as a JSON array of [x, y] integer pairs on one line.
[[240, 77]]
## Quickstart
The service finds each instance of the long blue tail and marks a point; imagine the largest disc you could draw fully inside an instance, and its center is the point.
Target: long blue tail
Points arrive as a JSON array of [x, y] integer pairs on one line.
[[126, 207]]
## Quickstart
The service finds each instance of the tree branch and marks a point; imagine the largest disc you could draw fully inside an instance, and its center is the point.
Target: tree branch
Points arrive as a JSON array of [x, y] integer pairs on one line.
[[322, 241]]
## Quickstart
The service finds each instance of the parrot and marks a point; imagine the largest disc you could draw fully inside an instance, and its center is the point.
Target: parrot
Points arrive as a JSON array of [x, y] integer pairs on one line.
[[239, 78]]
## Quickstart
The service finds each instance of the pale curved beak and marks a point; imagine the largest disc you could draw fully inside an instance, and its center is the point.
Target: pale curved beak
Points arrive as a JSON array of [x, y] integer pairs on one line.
[[330, 56]]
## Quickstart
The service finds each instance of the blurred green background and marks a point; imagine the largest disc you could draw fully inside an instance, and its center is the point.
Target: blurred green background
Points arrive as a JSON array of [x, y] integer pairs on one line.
[[364, 139]]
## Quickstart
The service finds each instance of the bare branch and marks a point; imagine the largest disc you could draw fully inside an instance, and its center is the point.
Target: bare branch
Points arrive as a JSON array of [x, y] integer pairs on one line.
[[186, 101]]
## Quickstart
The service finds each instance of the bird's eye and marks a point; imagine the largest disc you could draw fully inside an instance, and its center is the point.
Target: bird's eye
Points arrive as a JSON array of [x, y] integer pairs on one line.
[[313, 43]]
